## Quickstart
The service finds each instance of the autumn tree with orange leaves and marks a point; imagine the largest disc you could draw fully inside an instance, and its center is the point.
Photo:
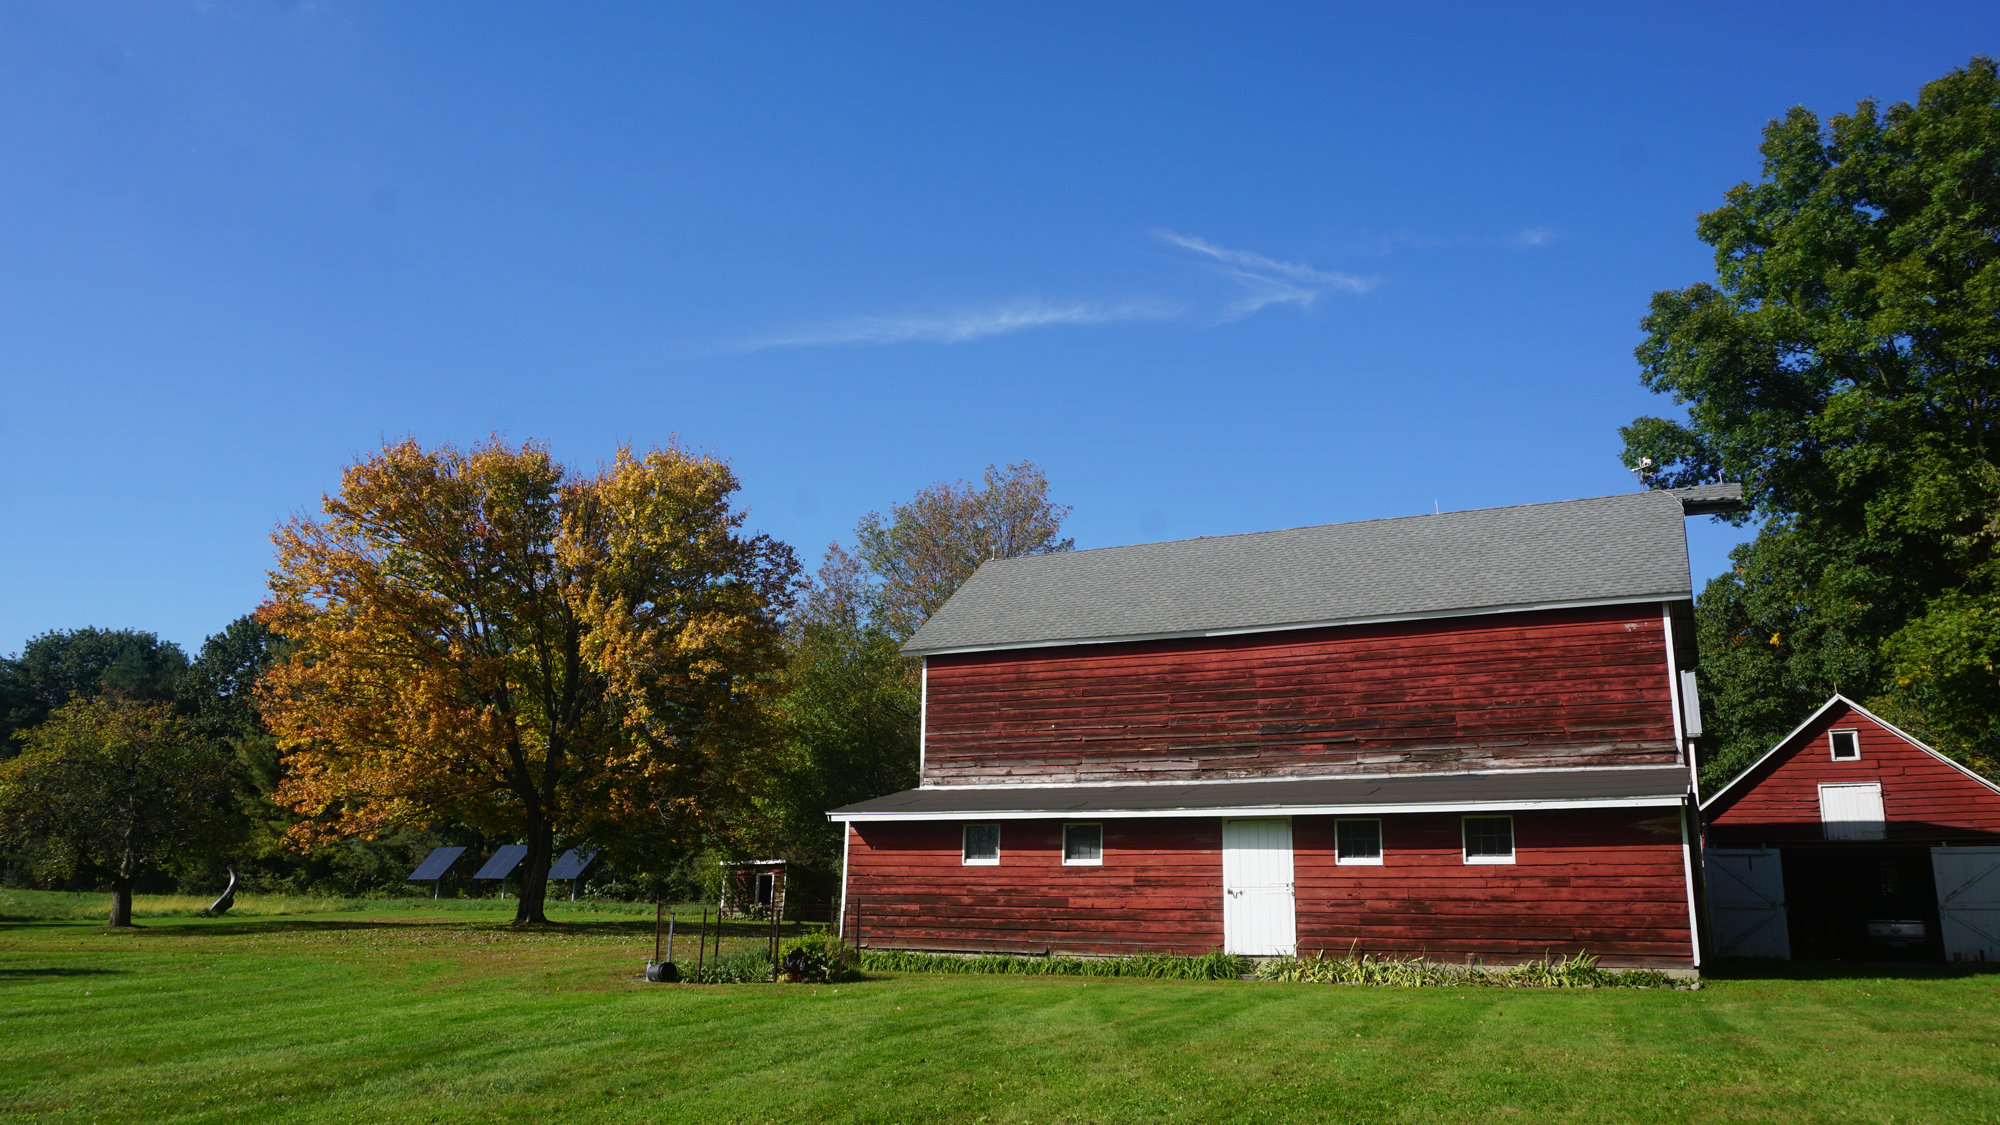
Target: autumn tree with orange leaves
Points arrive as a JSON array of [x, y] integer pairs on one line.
[[487, 637]]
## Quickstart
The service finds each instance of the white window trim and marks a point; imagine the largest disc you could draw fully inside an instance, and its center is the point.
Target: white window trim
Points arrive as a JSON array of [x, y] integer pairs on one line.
[[1832, 749], [1380, 848], [965, 859], [1099, 861], [1514, 844]]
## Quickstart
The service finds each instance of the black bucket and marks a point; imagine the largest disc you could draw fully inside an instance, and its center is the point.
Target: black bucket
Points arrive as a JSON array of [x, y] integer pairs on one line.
[[662, 972]]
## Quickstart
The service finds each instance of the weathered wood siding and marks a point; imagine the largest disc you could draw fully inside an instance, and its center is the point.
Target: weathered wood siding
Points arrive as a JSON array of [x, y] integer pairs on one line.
[[1922, 798], [1606, 881], [1159, 889], [1553, 688]]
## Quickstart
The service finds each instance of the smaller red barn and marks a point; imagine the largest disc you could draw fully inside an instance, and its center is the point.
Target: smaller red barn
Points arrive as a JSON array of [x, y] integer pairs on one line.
[[1853, 840]]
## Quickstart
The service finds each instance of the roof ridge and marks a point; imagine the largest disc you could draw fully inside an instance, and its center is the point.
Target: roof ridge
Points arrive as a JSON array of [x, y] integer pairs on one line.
[[1337, 523]]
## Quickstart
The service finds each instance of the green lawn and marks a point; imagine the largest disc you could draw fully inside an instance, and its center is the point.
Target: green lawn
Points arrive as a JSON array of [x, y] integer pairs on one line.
[[414, 1013]]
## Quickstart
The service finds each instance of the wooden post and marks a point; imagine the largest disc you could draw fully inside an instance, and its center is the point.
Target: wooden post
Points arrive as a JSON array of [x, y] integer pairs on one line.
[[777, 916], [701, 945]]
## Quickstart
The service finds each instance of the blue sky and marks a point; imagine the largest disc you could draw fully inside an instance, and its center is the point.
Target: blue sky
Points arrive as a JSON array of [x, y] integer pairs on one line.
[[1219, 268]]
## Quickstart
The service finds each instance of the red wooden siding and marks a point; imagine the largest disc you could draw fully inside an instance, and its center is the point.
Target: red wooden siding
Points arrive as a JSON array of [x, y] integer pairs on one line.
[[1923, 798], [1159, 888], [1561, 687], [1609, 881]]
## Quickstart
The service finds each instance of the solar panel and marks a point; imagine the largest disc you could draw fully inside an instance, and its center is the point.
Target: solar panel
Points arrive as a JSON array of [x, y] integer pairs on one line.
[[436, 864], [504, 861], [572, 863]]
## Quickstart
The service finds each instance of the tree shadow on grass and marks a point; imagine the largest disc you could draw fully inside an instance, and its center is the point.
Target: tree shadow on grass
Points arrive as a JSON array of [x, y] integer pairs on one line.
[[13, 975], [187, 926], [1758, 968]]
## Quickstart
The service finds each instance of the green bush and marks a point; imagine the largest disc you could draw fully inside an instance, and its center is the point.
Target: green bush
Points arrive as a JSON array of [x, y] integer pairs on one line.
[[817, 957], [1581, 971], [1163, 966]]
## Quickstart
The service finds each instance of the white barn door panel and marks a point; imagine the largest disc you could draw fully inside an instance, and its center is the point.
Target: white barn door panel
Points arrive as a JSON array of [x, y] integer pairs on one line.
[[1968, 890], [1258, 919], [1851, 812], [1746, 903]]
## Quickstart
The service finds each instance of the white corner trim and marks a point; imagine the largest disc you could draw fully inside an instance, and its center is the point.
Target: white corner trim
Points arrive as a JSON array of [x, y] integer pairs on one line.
[[846, 838], [1687, 880]]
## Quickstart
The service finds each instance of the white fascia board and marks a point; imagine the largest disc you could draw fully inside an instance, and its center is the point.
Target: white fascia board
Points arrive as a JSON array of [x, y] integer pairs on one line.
[[1271, 810], [1374, 775], [1780, 745], [1283, 627]]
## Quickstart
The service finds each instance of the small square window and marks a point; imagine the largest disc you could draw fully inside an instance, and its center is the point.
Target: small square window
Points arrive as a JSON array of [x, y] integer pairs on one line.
[[1846, 745], [1357, 841], [1489, 839], [1083, 843], [982, 843]]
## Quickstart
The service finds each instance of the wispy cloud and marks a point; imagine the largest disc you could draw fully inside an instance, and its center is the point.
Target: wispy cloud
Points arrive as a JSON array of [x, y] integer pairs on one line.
[[1385, 242], [1267, 281], [961, 325]]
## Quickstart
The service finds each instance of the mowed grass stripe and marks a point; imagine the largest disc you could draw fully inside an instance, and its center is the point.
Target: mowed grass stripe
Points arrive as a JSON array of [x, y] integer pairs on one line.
[[410, 1014]]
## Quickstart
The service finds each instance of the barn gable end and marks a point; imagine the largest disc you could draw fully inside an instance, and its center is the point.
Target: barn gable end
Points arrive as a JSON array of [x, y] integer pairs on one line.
[[1925, 795]]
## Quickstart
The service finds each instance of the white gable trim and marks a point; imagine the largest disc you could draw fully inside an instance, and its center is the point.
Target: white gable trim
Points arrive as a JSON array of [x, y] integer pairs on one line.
[[1785, 743]]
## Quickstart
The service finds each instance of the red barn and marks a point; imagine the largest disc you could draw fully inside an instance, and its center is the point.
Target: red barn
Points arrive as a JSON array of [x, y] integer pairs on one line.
[[1851, 839], [1462, 734]]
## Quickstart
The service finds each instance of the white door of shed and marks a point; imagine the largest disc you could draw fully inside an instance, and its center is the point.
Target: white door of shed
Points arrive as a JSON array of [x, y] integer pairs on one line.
[[1851, 812], [1746, 903], [1257, 906], [1968, 886]]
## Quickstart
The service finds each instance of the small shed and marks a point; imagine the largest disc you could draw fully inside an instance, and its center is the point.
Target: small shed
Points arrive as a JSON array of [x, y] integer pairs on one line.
[[756, 888], [1852, 840]]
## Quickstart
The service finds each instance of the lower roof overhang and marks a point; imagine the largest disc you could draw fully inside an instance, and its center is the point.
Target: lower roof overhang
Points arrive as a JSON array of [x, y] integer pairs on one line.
[[1374, 794]]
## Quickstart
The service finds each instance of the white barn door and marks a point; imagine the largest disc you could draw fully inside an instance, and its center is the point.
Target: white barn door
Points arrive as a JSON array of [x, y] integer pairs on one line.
[[1852, 812], [1746, 903], [1257, 905], [1968, 888]]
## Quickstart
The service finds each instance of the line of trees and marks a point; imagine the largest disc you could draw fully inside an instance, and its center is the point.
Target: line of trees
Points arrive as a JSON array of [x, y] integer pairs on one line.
[[1844, 365], [482, 645]]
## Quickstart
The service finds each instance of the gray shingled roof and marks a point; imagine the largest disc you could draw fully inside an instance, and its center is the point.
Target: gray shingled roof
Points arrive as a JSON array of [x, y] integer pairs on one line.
[[1495, 789], [1630, 547]]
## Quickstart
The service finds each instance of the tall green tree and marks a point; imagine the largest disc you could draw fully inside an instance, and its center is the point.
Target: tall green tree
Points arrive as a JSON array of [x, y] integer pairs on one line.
[[112, 788], [850, 710], [1844, 364], [61, 665], [852, 699]]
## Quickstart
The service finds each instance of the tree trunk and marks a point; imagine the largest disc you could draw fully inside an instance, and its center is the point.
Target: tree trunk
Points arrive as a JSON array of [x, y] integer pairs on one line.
[[535, 872], [121, 902]]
